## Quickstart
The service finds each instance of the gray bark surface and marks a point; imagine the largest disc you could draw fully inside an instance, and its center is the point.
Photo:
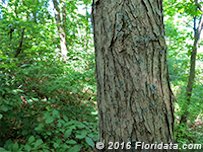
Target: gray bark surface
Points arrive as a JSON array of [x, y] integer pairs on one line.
[[133, 92]]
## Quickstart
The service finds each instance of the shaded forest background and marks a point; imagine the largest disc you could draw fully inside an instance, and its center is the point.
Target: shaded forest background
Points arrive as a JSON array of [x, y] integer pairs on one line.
[[48, 97]]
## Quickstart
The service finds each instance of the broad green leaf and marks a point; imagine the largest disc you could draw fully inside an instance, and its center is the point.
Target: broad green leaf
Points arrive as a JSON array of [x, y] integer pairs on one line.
[[4, 108], [56, 145], [15, 147], [31, 139], [56, 113], [49, 119], [71, 142], [67, 133], [81, 134], [27, 147], [89, 141], [38, 142], [75, 148]]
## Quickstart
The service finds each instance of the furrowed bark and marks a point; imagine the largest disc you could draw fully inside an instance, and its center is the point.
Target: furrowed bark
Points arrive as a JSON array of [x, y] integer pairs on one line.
[[134, 98]]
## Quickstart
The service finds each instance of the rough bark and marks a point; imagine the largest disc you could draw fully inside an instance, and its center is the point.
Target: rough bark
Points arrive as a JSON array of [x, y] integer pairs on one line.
[[60, 16], [133, 92]]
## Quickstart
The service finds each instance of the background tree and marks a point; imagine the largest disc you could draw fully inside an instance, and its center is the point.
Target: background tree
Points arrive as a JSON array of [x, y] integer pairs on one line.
[[37, 90], [134, 98], [60, 16], [181, 20], [198, 25]]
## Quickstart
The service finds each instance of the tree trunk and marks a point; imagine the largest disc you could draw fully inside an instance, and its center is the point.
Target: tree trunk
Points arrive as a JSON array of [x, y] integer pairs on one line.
[[60, 21], [135, 102], [19, 49], [191, 77]]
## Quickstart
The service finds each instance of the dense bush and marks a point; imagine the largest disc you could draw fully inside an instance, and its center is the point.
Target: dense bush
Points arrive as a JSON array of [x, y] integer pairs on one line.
[[47, 106]]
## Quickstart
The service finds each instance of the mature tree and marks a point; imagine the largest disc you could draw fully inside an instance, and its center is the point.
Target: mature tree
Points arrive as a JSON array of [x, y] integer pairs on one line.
[[134, 98]]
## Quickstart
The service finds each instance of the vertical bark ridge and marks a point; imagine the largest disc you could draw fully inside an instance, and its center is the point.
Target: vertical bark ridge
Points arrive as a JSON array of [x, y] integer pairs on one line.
[[134, 97]]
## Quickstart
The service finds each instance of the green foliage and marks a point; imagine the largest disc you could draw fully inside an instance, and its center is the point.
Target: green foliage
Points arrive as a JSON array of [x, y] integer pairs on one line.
[[183, 135], [179, 35], [188, 135], [46, 104]]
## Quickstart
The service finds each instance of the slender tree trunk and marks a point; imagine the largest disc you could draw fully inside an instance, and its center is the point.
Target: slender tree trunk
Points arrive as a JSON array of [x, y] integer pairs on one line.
[[19, 49], [133, 92], [60, 16], [191, 77]]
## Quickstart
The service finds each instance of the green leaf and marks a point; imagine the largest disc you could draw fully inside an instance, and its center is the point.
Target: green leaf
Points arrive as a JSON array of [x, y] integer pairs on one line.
[[80, 125], [75, 148], [49, 120], [4, 108], [56, 113], [67, 133], [71, 142], [38, 142], [31, 139], [40, 127], [81, 134], [15, 147], [27, 147], [89, 141], [56, 145]]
